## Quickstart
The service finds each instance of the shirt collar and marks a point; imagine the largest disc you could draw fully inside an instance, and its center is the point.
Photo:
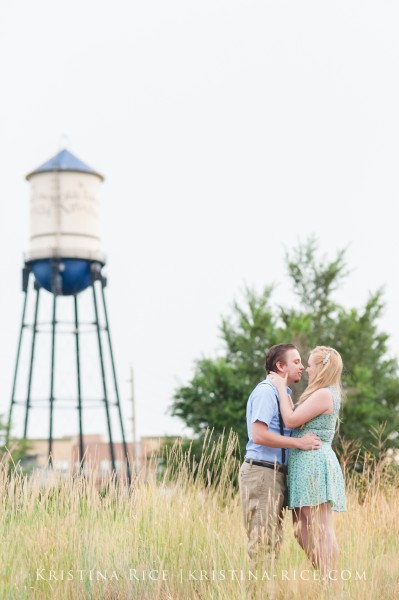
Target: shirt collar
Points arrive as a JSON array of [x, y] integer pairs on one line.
[[289, 390]]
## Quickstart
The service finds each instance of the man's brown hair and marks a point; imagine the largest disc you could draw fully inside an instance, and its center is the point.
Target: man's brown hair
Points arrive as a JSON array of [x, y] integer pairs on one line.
[[277, 354]]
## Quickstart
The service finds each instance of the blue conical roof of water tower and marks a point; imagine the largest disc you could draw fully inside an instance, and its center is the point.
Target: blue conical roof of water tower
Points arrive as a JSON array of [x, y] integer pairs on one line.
[[64, 161]]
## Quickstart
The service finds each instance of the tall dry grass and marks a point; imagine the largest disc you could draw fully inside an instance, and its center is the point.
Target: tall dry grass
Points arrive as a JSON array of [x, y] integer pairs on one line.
[[181, 537]]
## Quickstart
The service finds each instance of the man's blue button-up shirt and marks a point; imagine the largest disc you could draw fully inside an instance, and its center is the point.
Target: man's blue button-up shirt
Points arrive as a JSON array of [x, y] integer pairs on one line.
[[262, 406]]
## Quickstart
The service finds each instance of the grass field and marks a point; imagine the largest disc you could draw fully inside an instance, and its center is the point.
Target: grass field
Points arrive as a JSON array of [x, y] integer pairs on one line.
[[181, 537]]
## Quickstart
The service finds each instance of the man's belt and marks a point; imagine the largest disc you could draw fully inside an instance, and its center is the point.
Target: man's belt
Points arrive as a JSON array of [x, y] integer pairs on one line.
[[268, 465]]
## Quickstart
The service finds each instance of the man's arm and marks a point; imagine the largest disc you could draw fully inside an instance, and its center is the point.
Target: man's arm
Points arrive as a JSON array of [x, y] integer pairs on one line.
[[261, 435]]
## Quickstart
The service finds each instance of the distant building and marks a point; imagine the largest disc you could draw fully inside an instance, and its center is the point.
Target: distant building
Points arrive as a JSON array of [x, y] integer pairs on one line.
[[97, 463]]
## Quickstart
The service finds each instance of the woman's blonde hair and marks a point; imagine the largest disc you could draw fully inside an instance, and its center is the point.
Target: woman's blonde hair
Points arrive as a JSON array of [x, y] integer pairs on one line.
[[329, 367]]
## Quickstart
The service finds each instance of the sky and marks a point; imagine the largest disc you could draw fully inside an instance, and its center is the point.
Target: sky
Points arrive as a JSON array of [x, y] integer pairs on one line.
[[227, 131]]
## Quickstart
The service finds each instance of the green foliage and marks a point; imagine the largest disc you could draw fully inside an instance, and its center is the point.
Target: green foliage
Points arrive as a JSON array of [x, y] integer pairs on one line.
[[216, 396], [13, 451]]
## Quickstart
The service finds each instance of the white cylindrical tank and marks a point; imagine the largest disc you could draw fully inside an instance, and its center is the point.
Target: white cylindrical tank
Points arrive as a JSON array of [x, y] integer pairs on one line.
[[65, 210]]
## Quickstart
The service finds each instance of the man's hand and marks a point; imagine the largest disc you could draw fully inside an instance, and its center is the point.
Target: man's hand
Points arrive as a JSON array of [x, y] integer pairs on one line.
[[309, 441]]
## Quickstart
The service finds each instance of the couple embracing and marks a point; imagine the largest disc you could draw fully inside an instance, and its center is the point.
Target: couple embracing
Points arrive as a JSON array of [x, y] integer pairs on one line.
[[289, 460]]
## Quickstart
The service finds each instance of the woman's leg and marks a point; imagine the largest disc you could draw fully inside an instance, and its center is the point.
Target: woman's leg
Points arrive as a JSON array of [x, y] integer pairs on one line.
[[326, 542], [301, 531], [320, 543]]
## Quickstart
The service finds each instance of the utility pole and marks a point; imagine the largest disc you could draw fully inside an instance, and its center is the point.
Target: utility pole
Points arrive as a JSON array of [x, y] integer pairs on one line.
[[136, 445]]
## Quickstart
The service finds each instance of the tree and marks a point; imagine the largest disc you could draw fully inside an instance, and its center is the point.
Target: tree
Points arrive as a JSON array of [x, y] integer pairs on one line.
[[216, 396]]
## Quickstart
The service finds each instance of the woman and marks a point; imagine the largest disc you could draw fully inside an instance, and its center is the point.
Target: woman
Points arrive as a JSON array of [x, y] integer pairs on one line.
[[315, 482]]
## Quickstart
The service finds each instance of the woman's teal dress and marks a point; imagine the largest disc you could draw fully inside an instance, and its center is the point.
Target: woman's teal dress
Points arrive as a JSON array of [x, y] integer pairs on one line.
[[315, 476]]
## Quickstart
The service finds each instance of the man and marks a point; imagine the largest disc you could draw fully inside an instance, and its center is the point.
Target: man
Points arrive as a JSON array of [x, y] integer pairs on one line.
[[262, 476]]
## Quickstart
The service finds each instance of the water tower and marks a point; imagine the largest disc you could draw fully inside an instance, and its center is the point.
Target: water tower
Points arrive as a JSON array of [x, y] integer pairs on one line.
[[64, 259]]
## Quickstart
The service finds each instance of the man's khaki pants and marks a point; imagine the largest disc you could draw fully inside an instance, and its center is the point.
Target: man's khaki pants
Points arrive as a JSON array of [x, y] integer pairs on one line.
[[262, 493]]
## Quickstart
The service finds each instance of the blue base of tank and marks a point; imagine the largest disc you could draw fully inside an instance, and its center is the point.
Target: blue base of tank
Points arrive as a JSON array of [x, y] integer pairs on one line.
[[74, 274]]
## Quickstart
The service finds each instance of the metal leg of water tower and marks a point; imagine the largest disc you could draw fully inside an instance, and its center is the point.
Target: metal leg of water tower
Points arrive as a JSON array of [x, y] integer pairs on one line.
[[53, 328], [25, 286], [100, 349], [32, 357], [81, 451], [128, 474]]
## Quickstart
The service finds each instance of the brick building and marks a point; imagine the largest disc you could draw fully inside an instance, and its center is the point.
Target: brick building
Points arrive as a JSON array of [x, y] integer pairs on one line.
[[97, 462]]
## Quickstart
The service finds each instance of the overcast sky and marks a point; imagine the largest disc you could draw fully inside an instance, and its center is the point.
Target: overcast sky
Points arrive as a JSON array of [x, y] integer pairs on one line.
[[226, 131]]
